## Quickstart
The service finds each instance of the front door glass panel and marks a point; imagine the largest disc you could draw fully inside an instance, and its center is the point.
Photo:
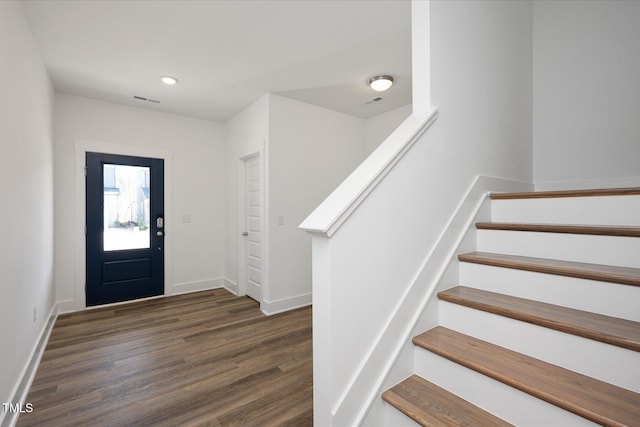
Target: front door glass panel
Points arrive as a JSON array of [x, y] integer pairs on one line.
[[126, 207]]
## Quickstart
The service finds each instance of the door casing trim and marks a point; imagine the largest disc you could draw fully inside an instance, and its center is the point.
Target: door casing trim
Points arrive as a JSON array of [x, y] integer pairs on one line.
[[81, 148]]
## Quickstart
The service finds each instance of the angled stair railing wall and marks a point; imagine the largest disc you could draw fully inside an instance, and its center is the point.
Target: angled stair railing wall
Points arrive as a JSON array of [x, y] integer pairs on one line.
[[377, 262], [355, 249], [355, 252]]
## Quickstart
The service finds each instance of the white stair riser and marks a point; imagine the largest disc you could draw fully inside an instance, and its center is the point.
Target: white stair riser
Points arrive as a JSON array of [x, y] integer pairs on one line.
[[606, 210], [610, 299], [493, 396], [609, 250], [393, 417], [604, 362]]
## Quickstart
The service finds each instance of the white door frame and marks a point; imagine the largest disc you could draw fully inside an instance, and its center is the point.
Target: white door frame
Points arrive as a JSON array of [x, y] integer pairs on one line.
[[242, 268], [84, 146]]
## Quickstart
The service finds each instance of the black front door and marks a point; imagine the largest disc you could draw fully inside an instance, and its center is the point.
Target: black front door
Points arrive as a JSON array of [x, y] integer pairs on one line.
[[125, 228]]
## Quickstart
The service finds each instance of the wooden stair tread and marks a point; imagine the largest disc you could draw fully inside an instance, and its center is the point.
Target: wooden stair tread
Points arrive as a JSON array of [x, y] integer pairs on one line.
[[430, 405], [611, 330], [626, 191], [604, 273], [587, 397], [597, 230]]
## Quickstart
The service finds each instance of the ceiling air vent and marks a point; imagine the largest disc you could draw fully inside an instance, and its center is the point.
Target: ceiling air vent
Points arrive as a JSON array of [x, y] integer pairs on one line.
[[372, 100], [142, 98]]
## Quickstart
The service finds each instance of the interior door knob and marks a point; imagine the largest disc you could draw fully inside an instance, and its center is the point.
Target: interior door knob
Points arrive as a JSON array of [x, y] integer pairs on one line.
[[245, 233]]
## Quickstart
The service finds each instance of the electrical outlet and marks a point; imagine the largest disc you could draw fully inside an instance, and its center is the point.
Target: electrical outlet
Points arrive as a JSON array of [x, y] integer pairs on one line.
[[35, 313]]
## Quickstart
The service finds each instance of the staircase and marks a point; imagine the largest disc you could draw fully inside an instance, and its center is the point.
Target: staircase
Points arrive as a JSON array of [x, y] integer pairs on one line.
[[544, 327]]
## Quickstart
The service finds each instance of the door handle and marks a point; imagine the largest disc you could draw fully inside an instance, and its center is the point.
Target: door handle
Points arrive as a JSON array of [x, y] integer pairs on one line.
[[245, 233], [159, 234]]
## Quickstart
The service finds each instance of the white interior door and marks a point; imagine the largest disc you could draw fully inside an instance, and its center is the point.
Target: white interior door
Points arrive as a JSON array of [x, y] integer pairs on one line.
[[253, 228]]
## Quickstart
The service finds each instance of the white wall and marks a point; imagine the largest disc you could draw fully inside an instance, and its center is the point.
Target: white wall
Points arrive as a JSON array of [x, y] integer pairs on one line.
[[481, 81], [378, 128], [245, 134], [26, 207], [307, 151], [481, 73], [311, 151], [198, 189], [586, 93]]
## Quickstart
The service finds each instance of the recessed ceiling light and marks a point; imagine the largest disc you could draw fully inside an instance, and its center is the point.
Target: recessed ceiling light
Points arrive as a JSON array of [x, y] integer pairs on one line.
[[168, 80], [380, 83]]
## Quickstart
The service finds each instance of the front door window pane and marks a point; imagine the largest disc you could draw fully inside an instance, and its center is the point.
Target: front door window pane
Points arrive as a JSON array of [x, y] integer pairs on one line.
[[126, 207]]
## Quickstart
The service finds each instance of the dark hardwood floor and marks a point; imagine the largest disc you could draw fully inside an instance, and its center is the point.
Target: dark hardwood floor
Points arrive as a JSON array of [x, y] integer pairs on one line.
[[207, 358]]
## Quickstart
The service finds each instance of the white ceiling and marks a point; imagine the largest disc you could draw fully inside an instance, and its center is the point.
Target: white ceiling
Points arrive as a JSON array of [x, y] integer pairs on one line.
[[226, 54]]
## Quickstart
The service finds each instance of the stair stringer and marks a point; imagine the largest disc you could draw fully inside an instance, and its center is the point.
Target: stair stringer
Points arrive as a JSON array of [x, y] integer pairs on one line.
[[439, 271]]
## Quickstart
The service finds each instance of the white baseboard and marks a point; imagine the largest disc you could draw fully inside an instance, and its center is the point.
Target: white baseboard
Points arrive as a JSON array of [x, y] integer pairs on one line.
[[69, 306], [285, 304], [66, 306], [632, 181], [21, 389], [231, 286], [196, 286]]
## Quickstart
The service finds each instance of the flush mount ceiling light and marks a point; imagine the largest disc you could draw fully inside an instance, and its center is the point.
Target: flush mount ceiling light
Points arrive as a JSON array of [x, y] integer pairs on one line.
[[168, 80], [380, 83]]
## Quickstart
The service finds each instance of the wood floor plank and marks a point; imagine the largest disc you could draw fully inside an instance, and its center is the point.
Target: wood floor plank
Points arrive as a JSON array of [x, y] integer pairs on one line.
[[594, 230], [587, 397], [606, 273], [430, 405], [611, 330], [625, 191], [191, 359], [277, 397]]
